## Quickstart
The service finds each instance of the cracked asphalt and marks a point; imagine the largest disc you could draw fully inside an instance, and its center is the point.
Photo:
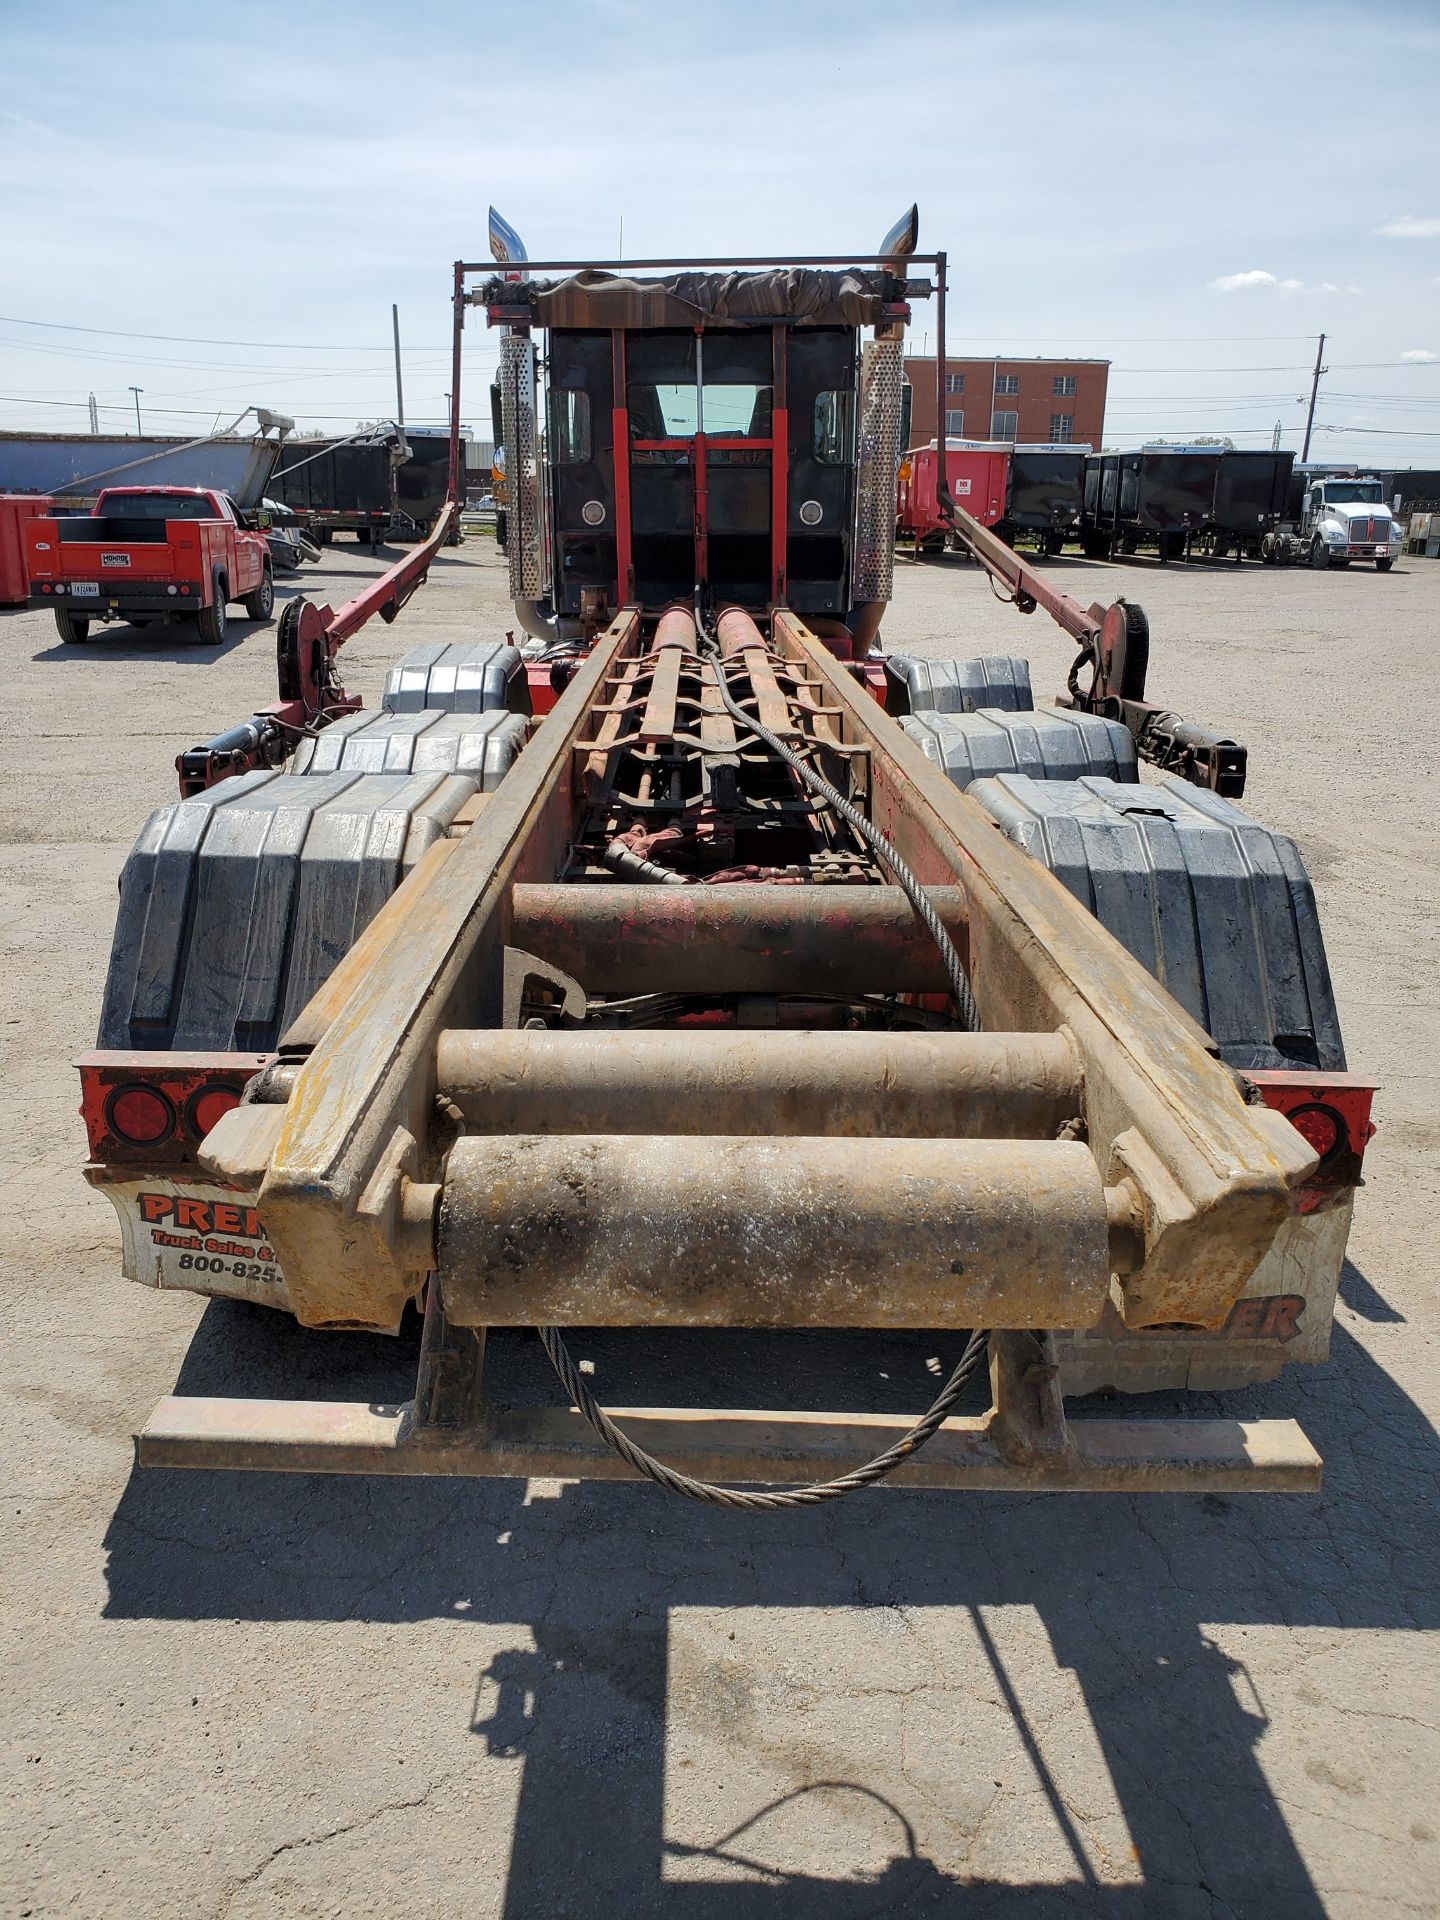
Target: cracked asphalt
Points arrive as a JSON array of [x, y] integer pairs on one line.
[[243, 1697]]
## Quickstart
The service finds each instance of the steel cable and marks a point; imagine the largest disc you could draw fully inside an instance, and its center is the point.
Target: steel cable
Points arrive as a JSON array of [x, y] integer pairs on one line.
[[930, 1422], [712, 1495]]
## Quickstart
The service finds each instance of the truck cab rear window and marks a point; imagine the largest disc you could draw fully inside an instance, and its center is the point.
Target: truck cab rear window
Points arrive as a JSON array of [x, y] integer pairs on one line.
[[672, 411], [157, 506]]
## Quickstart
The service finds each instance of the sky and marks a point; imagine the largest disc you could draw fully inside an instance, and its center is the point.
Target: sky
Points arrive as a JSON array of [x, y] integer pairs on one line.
[[219, 203]]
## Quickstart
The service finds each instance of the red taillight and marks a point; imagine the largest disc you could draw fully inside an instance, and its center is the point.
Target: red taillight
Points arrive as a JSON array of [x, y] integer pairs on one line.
[[1331, 1113], [143, 1116], [207, 1106], [1321, 1126]]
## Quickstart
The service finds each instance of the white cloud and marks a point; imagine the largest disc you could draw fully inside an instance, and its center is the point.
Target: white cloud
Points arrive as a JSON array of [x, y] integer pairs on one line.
[[1249, 282], [1420, 357], [1412, 226], [1257, 280]]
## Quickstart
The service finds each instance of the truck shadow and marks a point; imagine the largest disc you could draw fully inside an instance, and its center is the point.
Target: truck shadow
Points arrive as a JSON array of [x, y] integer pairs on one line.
[[1131, 1595], [135, 643]]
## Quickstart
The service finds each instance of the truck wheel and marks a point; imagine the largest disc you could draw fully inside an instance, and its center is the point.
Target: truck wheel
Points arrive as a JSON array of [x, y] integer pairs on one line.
[[1319, 554], [1383, 566], [261, 604], [72, 627], [210, 622]]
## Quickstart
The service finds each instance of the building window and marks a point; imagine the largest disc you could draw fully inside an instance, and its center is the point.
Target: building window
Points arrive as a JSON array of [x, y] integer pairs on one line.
[[954, 423], [954, 383], [1007, 383], [1063, 386], [1062, 426], [1004, 426]]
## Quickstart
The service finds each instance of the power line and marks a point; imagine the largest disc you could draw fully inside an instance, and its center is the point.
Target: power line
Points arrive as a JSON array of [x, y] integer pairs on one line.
[[174, 413], [1142, 339], [201, 340], [1385, 433]]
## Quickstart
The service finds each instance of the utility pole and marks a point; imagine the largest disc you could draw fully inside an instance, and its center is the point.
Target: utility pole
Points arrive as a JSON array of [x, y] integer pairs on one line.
[[620, 255], [94, 416], [137, 391], [1314, 389], [1275, 438], [399, 391]]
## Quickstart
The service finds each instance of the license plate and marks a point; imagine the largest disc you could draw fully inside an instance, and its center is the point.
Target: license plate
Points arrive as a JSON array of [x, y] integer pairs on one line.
[[85, 589]]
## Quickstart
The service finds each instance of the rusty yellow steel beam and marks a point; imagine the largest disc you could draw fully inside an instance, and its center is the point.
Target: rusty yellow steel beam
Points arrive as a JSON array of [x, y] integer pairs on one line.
[[337, 1200]]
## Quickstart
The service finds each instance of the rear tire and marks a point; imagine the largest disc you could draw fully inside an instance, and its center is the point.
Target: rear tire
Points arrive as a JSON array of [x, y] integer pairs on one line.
[[261, 604], [1383, 566], [73, 628], [210, 622]]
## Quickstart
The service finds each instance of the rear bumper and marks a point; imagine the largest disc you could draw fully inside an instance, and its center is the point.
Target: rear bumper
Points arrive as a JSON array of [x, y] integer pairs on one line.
[[117, 602], [1102, 1456]]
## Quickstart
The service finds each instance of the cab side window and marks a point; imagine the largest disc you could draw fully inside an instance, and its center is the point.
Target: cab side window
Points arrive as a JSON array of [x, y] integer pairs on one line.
[[834, 427], [569, 426]]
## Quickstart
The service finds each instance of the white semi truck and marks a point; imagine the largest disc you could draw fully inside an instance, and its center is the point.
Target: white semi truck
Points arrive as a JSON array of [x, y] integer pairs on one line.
[[1342, 518]]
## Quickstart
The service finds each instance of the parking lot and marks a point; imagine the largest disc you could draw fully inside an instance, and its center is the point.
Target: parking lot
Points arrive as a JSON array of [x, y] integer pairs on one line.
[[248, 1697]]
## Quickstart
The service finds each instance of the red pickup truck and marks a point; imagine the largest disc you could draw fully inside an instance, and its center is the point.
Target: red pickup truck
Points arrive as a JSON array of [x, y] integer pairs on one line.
[[149, 554]]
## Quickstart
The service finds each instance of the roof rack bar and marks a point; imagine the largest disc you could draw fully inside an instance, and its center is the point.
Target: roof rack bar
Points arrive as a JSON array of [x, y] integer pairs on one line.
[[755, 260]]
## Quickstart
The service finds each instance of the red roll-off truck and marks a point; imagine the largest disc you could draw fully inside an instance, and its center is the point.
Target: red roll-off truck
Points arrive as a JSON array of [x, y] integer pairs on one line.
[[149, 554]]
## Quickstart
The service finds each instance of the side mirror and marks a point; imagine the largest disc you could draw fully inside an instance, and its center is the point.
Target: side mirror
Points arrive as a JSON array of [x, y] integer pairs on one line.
[[262, 519]]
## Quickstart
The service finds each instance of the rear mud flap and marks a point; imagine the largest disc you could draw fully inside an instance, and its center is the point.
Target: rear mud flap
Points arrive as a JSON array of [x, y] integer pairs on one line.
[[193, 1235]]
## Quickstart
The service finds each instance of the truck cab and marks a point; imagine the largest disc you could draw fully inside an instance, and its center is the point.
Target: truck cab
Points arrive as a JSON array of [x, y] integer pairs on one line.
[[1345, 519], [674, 446]]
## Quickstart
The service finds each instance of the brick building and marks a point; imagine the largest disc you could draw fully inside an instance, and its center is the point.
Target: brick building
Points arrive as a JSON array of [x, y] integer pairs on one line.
[[1028, 400]]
